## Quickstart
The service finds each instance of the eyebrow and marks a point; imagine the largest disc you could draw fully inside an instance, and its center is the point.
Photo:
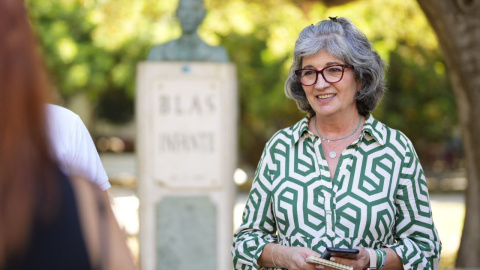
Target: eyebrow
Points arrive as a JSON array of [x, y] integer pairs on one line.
[[328, 64]]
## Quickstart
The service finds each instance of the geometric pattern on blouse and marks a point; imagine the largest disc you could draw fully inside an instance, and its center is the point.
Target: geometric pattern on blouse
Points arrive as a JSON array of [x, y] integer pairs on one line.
[[378, 198]]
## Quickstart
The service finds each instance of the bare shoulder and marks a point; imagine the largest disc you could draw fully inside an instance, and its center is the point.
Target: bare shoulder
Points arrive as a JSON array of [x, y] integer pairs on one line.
[[89, 216], [93, 217]]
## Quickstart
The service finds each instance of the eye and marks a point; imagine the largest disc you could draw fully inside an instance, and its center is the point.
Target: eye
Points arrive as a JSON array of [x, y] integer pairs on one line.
[[334, 69], [308, 72]]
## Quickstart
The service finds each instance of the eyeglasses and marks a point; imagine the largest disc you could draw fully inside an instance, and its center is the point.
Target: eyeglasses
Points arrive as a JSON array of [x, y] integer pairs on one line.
[[331, 74]]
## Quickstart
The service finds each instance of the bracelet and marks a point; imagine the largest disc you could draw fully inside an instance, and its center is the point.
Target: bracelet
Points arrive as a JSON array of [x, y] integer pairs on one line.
[[274, 264], [373, 258], [382, 258]]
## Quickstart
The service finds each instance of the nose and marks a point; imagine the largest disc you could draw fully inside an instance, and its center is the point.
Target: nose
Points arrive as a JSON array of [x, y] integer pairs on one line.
[[321, 83]]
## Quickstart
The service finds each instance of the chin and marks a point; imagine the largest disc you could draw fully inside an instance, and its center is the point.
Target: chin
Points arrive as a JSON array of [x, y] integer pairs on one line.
[[325, 113], [189, 27]]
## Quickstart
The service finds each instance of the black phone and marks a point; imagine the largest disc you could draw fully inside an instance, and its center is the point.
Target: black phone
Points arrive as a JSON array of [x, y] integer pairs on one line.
[[349, 253]]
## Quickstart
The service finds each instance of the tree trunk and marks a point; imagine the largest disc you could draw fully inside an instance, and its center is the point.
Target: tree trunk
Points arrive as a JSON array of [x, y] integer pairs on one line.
[[457, 24]]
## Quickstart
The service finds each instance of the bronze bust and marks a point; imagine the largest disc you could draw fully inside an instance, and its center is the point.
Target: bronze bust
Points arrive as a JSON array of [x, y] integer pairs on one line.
[[189, 47]]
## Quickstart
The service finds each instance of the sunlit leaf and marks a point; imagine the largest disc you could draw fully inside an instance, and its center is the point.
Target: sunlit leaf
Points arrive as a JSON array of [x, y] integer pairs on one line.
[[67, 49], [78, 75]]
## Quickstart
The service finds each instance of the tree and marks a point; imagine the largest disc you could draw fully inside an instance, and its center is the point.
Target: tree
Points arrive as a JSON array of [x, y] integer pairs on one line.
[[457, 25]]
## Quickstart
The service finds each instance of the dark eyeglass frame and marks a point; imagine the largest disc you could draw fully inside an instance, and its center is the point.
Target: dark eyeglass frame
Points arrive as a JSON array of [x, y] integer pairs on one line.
[[299, 71]]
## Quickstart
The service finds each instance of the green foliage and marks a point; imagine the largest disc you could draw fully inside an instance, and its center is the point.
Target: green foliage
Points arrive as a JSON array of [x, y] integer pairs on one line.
[[78, 62], [93, 47], [420, 101], [263, 107]]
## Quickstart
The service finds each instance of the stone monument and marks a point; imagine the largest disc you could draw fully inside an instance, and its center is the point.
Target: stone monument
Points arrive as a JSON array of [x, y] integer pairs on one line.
[[186, 115]]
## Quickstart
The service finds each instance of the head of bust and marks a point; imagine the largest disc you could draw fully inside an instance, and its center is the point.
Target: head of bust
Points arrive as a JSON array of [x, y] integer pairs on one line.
[[191, 14]]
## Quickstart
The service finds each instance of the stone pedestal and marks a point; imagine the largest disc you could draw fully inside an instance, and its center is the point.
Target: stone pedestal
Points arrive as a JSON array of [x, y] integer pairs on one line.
[[186, 115]]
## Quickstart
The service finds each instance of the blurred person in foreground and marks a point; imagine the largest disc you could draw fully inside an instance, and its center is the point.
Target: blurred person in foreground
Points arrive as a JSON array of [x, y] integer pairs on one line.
[[338, 177], [47, 221]]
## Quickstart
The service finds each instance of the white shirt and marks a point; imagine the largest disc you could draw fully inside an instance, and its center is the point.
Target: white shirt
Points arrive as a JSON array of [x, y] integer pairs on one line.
[[73, 146]]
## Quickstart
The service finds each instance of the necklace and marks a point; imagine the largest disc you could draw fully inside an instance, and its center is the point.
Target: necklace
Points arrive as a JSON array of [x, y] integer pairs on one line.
[[332, 153]]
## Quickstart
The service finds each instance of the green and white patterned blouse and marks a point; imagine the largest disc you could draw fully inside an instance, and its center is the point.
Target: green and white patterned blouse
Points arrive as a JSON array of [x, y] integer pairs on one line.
[[378, 198]]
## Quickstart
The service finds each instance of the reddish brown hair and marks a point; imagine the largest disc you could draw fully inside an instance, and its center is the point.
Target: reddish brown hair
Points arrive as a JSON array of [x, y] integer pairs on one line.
[[25, 162]]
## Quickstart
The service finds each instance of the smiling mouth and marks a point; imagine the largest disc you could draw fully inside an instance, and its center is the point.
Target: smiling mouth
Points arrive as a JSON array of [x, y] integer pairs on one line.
[[325, 96]]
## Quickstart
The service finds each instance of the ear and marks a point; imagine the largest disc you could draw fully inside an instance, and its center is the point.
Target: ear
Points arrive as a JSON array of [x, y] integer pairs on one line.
[[359, 87]]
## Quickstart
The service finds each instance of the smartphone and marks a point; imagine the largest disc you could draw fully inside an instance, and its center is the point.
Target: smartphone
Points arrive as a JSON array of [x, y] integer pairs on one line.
[[348, 253]]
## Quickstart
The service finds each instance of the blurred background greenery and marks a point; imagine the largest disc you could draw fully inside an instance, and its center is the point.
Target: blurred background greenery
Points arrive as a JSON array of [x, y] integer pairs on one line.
[[92, 48]]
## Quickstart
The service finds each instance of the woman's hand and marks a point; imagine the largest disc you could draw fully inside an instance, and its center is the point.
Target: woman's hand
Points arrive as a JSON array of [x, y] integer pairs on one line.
[[294, 258], [361, 261]]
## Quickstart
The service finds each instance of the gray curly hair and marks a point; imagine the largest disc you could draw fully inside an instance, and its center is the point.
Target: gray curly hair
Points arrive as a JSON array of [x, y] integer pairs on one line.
[[342, 39]]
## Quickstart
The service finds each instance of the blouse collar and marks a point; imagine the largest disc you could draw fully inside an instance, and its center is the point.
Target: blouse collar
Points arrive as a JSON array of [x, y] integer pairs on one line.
[[371, 128]]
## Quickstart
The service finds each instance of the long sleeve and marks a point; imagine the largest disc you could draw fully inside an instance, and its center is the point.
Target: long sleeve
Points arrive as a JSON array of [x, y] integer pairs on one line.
[[258, 222], [417, 241]]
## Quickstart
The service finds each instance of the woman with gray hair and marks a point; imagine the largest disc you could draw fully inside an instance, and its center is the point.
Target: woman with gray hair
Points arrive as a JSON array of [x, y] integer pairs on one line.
[[338, 178]]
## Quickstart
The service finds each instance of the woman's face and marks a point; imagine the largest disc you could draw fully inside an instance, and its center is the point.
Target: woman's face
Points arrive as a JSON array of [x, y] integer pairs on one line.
[[330, 99]]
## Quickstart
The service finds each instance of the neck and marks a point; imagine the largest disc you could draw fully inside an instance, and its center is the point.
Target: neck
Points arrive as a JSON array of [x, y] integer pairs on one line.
[[337, 127], [189, 35]]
